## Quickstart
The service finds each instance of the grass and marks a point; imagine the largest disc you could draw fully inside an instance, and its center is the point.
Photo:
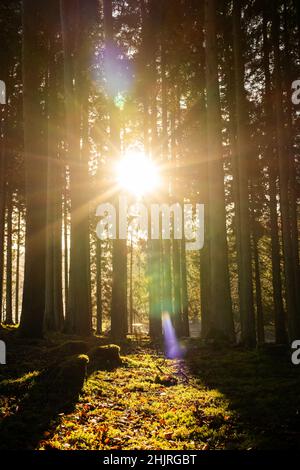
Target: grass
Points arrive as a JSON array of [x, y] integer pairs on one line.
[[216, 398]]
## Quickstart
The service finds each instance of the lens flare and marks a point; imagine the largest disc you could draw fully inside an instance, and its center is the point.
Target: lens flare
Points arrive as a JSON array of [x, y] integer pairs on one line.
[[173, 349]]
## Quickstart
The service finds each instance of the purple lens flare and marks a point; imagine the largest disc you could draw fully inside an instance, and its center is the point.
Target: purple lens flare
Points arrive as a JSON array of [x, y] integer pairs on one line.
[[173, 349]]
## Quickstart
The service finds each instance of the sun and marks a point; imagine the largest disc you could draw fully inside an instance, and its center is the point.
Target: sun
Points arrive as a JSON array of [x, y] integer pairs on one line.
[[137, 174]]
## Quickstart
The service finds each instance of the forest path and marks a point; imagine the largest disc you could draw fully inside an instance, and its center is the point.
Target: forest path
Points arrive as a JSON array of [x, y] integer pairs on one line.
[[149, 403]]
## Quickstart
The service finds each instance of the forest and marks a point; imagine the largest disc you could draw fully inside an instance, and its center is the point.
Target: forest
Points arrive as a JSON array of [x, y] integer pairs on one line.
[[149, 225]]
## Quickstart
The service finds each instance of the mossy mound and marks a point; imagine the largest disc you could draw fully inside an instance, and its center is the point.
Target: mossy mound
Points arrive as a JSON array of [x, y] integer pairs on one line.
[[102, 357], [69, 348], [69, 375]]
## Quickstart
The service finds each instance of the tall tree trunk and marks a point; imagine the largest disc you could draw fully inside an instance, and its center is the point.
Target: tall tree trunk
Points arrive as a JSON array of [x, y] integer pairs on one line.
[[293, 202], [66, 250], [54, 301], [203, 188], [35, 178], [149, 35], [9, 222], [166, 244], [2, 204], [279, 315], [99, 286], [119, 321], [177, 288], [131, 287], [184, 288], [291, 299], [18, 267], [242, 147], [74, 36], [221, 321], [258, 293]]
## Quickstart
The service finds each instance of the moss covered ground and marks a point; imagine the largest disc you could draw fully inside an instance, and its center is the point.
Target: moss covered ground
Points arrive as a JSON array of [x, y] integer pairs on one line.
[[214, 398]]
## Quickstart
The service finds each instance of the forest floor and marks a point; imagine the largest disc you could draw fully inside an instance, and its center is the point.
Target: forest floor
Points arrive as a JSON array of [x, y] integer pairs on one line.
[[214, 398]]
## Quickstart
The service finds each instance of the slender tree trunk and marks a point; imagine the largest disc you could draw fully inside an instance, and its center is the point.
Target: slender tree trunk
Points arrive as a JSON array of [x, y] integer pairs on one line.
[[99, 285], [291, 299], [221, 308], [279, 315], [204, 193], [35, 178], [2, 205], [293, 199], [8, 291], [166, 244], [177, 288], [242, 147], [258, 294], [131, 287], [66, 251], [54, 301], [184, 287], [119, 320], [149, 37], [18, 267], [74, 37]]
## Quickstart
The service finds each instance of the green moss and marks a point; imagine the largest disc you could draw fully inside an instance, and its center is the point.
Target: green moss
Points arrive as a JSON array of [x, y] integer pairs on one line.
[[215, 399]]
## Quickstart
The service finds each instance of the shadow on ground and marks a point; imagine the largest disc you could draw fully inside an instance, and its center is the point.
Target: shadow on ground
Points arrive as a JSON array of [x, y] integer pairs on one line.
[[42, 380], [262, 388]]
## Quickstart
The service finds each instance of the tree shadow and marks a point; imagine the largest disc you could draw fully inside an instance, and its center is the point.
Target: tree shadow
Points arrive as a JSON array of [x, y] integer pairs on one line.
[[261, 388], [45, 394]]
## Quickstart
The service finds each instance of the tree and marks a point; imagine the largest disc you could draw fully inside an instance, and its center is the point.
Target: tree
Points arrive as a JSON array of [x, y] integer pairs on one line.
[[289, 267], [54, 302], [75, 32], [272, 163], [221, 320], [243, 161], [35, 176], [119, 321]]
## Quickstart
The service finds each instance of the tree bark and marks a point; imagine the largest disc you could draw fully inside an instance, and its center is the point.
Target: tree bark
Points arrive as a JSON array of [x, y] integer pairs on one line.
[[221, 321], [272, 163], [243, 226], [291, 299], [35, 178]]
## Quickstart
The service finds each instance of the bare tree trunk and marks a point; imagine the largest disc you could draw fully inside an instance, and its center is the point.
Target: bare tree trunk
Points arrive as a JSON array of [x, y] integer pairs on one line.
[[74, 35], [242, 147], [221, 320], [184, 287], [54, 301], [279, 315], [166, 244], [149, 45], [18, 267], [66, 250], [131, 287], [203, 189], [9, 221], [99, 286], [177, 289], [2, 205], [119, 320], [293, 198], [291, 299], [35, 178]]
